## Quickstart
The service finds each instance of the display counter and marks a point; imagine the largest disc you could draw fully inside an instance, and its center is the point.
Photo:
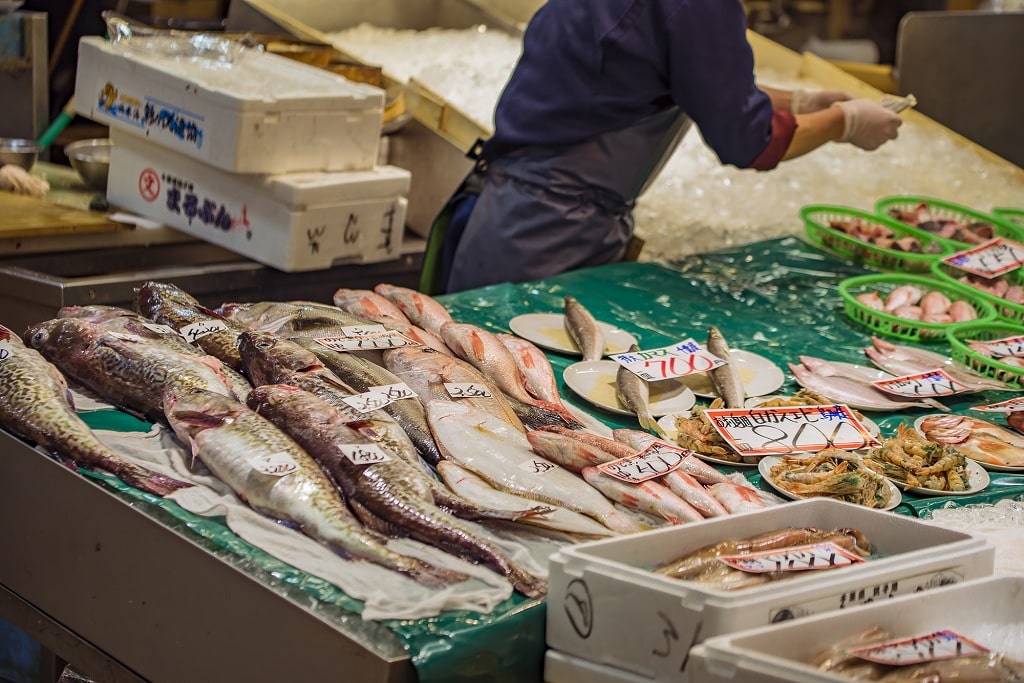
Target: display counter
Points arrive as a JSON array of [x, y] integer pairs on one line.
[[128, 586]]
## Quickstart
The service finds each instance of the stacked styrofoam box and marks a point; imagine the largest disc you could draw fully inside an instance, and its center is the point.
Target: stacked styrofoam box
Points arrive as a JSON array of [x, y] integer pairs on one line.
[[260, 154], [981, 610], [606, 606]]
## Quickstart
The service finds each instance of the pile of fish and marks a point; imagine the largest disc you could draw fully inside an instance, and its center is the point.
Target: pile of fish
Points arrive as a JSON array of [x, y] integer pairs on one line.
[[704, 567], [969, 231], [881, 236], [977, 439], [912, 460], [452, 422], [852, 385], [911, 302], [909, 360], [831, 473], [997, 286]]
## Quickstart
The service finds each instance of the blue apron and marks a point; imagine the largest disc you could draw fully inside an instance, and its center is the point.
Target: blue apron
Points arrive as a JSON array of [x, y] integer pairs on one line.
[[537, 212]]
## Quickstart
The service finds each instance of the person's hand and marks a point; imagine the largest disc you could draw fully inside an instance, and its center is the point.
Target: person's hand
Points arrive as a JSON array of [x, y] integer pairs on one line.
[[807, 101], [868, 124]]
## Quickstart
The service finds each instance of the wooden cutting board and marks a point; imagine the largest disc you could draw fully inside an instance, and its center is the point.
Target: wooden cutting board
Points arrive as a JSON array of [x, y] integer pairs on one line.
[[22, 216]]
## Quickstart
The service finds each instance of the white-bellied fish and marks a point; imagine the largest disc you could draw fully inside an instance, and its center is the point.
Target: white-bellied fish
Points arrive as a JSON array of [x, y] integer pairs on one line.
[[583, 329], [909, 360], [725, 378], [649, 496], [422, 310], [635, 394]]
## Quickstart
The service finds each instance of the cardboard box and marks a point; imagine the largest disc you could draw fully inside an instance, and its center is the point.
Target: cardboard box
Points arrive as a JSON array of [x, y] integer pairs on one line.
[[778, 654], [259, 113], [607, 606], [293, 222]]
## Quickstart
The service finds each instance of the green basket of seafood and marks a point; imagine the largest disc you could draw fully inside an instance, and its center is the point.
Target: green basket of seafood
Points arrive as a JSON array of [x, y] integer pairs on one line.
[[1005, 292], [911, 307], [873, 240], [970, 347], [1015, 216], [964, 226]]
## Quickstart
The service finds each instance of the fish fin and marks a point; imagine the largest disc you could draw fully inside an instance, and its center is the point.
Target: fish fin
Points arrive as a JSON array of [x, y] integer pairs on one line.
[[477, 344], [198, 418]]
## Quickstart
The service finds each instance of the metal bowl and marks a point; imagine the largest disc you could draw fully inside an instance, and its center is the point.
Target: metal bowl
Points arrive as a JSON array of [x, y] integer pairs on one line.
[[19, 152], [91, 158]]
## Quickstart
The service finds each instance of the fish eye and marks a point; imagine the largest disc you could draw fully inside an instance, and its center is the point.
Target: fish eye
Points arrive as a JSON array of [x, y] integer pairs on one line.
[[264, 344], [39, 336]]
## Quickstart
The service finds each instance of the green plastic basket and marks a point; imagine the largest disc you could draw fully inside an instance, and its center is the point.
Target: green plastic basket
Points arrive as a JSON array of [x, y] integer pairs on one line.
[[817, 219], [1007, 310], [892, 326], [1015, 216], [956, 212], [983, 365]]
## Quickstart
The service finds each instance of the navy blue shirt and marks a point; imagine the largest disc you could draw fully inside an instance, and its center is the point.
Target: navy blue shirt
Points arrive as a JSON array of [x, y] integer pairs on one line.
[[593, 66]]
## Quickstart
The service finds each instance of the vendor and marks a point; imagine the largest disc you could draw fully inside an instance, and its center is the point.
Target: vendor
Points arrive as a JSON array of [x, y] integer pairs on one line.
[[603, 92]]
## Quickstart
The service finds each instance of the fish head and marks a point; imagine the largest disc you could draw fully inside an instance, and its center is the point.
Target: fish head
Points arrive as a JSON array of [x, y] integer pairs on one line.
[[191, 411], [267, 355], [153, 297], [267, 396], [64, 335]]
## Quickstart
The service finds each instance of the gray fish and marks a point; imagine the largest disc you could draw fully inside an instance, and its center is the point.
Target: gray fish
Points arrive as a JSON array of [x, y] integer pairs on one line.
[[584, 330], [725, 378], [125, 370], [36, 405], [233, 441], [388, 495], [634, 393], [855, 394], [294, 319], [213, 333]]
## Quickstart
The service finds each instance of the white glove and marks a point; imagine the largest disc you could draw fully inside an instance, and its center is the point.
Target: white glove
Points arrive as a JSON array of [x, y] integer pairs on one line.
[[807, 101], [868, 124]]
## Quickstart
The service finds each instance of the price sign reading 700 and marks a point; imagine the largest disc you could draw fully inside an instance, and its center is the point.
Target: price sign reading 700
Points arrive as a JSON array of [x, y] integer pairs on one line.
[[678, 360]]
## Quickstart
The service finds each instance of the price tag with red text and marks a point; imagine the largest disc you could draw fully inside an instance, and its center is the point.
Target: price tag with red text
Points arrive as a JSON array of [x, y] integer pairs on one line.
[[795, 559], [1013, 405], [927, 384], [1000, 348], [678, 360], [928, 647], [991, 259], [790, 429], [657, 460]]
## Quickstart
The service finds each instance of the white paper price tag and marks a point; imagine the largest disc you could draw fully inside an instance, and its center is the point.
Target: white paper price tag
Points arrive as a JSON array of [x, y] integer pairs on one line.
[[928, 647], [466, 390], [197, 331], [364, 454], [363, 330], [1010, 406], [791, 429], [656, 461], [161, 329], [678, 360], [379, 397], [796, 559], [6, 350], [388, 340], [932, 383], [274, 464], [991, 259], [1002, 348]]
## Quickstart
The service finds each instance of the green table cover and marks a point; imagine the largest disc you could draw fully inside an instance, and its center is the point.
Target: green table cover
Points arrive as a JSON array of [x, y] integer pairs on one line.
[[777, 298]]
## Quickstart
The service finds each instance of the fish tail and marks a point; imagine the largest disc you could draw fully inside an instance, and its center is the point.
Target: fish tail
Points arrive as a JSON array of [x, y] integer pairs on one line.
[[526, 583], [151, 482], [935, 404]]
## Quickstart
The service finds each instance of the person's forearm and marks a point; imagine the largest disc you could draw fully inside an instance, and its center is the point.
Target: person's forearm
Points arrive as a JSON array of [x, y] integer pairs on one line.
[[782, 100], [814, 130]]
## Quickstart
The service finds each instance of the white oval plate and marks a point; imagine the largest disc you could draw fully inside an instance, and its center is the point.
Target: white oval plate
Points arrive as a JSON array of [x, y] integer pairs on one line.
[[768, 461], [869, 424], [976, 474], [594, 381], [668, 426], [759, 375], [547, 330], [988, 466]]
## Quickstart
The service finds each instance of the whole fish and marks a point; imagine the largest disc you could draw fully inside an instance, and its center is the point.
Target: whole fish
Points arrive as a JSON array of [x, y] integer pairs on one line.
[[543, 414], [426, 371], [484, 351], [820, 366], [908, 360], [234, 443], [736, 498], [566, 451], [472, 487], [977, 439], [362, 375], [614, 449], [583, 329], [387, 495], [634, 393], [125, 370], [534, 367], [649, 496], [213, 333], [421, 310], [292, 319], [35, 404], [129, 322], [366, 303], [702, 472], [853, 393], [500, 454], [725, 378]]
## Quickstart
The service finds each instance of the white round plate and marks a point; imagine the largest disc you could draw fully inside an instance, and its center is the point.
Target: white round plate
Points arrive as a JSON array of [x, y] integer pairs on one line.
[[594, 381], [988, 466], [668, 427], [768, 461], [976, 475], [759, 375], [869, 424], [547, 330]]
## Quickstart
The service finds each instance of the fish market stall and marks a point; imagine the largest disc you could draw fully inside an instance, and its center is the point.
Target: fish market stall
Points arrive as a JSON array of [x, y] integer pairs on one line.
[[146, 571]]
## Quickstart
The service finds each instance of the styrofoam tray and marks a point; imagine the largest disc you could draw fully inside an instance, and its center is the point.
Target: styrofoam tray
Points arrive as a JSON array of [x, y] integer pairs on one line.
[[778, 654], [607, 606], [261, 114], [294, 222], [562, 668]]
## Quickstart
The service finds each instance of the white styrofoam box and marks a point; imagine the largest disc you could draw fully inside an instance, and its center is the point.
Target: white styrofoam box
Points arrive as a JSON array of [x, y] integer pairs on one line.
[[260, 114], [562, 668], [294, 222], [605, 605], [978, 609]]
